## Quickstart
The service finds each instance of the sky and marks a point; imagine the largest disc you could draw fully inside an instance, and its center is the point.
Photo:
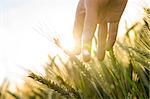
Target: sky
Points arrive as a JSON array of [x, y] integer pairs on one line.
[[26, 24]]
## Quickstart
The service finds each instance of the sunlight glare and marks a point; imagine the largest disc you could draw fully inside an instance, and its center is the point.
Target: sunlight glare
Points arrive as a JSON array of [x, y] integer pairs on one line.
[[68, 43], [22, 46]]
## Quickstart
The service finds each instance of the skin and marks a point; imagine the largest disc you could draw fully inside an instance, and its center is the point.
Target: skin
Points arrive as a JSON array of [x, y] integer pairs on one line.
[[89, 14]]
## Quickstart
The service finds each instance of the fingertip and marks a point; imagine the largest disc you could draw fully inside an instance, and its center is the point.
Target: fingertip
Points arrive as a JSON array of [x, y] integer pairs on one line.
[[86, 56], [108, 47], [101, 56]]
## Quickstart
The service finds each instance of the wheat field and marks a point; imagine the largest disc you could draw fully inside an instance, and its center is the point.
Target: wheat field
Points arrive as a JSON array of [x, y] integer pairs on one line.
[[124, 73]]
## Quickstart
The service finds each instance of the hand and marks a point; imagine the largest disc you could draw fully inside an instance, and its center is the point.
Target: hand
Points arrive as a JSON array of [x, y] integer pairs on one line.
[[89, 13]]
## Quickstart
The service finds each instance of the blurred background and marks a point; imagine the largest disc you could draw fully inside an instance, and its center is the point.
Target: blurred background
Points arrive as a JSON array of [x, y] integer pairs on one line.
[[26, 24]]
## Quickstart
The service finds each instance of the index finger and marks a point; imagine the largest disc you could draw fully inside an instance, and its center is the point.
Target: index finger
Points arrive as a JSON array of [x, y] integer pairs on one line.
[[90, 24], [78, 26]]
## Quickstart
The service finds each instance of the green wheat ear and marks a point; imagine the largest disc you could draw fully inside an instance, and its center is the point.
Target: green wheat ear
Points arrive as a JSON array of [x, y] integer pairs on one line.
[[50, 85]]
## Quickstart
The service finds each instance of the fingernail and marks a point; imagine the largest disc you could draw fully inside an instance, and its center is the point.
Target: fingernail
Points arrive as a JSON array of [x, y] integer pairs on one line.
[[108, 47], [101, 56], [86, 56]]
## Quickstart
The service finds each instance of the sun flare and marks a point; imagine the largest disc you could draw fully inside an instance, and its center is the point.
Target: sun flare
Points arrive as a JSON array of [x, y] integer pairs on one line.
[[22, 46], [68, 43]]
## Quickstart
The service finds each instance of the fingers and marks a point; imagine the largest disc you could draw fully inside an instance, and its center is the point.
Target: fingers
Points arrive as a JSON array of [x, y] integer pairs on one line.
[[78, 26], [90, 24], [113, 28], [102, 35]]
